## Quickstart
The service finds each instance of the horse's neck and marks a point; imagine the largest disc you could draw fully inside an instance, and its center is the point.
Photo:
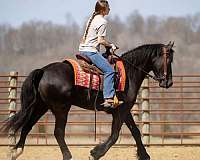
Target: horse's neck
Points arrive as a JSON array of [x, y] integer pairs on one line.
[[137, 81], [135, 78]]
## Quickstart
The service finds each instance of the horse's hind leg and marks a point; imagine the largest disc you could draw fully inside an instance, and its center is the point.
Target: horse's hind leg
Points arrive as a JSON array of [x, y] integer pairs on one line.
[[61, 114], [38, 111], [141, 151]]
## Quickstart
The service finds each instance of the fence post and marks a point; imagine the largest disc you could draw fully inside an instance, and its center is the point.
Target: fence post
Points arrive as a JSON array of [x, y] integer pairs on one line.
[[12, 98], [145, 111]]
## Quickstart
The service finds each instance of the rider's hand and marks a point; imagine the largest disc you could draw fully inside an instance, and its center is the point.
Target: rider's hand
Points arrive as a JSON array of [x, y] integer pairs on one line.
[[114, 47]]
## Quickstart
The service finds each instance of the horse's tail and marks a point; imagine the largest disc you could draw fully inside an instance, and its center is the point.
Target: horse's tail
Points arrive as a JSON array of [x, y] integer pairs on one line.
[[29, 95]]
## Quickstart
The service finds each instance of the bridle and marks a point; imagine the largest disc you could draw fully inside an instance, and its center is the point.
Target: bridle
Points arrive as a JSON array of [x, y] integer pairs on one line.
[[165, 51], [160, 78]]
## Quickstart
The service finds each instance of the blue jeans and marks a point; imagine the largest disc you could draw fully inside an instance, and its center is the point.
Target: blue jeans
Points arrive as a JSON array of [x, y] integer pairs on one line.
[[106, 68]]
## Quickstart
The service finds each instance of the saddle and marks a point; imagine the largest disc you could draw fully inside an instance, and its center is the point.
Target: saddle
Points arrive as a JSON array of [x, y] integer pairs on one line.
[[87, 65], [90, 68], [87, 75]]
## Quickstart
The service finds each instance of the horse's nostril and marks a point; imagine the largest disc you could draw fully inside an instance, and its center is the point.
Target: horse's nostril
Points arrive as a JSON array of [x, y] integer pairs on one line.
[[170, 83], [166, 83]]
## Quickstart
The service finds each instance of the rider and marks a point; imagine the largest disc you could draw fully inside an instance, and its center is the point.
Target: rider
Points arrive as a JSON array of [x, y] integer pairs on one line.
[[93, 37]]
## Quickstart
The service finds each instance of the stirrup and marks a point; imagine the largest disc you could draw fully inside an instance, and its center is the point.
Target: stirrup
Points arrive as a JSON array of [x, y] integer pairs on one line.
[[108, 103], [116, 102], [112, 103]]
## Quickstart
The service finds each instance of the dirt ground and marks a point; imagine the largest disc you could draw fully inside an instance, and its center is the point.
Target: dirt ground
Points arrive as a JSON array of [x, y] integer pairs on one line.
[[115, 153]]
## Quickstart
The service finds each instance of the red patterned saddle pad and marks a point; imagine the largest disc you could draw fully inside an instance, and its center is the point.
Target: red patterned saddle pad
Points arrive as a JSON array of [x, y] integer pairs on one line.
[[82, 78]]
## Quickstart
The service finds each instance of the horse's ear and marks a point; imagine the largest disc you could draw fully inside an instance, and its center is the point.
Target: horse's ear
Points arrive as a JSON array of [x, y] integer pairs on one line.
[[170, 45]]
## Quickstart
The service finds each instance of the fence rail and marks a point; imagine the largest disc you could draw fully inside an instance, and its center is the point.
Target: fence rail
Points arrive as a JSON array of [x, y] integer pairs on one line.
[[165, 117]]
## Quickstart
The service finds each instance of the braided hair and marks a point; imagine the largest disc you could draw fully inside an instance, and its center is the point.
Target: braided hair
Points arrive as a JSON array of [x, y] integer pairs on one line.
[[100, 6]]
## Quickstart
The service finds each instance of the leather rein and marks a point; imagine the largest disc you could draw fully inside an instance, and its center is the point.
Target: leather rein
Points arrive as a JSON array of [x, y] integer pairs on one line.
[[164, 77]]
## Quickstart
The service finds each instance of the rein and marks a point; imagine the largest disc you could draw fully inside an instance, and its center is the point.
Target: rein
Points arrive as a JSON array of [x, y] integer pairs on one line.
[[139, 68], [164, 77]]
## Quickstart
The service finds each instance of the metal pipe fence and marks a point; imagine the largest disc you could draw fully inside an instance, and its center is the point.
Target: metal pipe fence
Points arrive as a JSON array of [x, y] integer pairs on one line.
[[165, 117]]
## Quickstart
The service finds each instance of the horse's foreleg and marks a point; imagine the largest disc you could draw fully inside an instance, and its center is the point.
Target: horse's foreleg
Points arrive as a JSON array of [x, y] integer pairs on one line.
[[59, 132], [35, 116], [101, 149], [141, 151]]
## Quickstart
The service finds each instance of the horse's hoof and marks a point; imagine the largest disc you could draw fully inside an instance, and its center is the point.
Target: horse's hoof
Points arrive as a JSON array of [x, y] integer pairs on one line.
[[143, 159], [17, 152], [146, 158], [91, 158]]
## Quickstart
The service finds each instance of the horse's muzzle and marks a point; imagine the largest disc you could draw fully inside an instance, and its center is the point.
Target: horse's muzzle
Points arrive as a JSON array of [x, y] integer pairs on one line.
[[166, 83]]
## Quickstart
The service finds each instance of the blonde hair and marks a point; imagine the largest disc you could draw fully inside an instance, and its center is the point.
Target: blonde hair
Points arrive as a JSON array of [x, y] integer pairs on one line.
[[100, 7]]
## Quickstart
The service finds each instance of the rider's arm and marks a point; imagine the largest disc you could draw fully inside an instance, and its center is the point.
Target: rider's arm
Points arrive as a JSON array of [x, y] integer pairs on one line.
[[103, 41], [101, 38]]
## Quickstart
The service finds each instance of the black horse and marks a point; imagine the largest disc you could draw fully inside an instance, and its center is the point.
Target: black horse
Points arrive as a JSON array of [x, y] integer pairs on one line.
[[52, 88]]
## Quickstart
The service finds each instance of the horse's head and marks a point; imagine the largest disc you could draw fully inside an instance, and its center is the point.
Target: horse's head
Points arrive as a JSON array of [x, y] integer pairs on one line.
[[162, 65]]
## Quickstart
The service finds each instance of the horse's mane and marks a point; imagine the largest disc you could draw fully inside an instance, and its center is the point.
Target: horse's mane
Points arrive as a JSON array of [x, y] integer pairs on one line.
[[141, 54]]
